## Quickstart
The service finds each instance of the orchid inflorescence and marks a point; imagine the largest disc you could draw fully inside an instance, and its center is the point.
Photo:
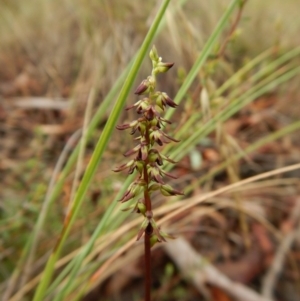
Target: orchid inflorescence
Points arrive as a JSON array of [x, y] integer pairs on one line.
[[148, 160]]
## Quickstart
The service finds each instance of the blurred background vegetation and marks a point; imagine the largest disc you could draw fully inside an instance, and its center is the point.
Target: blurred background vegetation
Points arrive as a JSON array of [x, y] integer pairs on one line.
[[55, 54]]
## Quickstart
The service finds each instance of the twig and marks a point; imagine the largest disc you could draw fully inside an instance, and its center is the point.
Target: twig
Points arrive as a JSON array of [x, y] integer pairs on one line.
[[272, 275], [197, 269], [44, 103], [232, 29]]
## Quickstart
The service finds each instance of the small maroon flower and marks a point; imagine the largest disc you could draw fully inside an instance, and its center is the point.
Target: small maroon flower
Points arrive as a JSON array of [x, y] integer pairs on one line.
[[163, 67], [169, 101], [150, 113], [133, 151], [163, 100], [125, 166], [126, 126], [143, 86], [167, 136]]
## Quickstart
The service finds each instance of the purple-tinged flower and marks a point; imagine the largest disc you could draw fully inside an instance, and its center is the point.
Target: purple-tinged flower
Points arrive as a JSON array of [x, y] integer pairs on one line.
[[146, 86], [144, 225], [133, 190], [130, 164], [133, 151], [163, 67], [167, 136], [150, 113], [140, 105], [142, 88], [163, 100], [156, 230], [167, 174], [128, 195], [125, 126], [164, 120], [157, 137], [155, 174], [154, 156]]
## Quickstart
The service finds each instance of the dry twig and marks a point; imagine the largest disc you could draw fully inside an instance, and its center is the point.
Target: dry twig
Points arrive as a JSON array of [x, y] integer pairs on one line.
[[275, 269], [198, 270]]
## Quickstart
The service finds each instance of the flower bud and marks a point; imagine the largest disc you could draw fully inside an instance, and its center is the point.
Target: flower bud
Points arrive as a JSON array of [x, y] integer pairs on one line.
[[146, 86], [139, 166], [143, 152], [142, 106], [153, 54], [156, 230], [141, 208], [157, 137], [154, 174], [142, 88], [167, 100], [162, 67], [144, 225], [142, 128], [153, 155], [153, 240], [133, 190], [154, 187]]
